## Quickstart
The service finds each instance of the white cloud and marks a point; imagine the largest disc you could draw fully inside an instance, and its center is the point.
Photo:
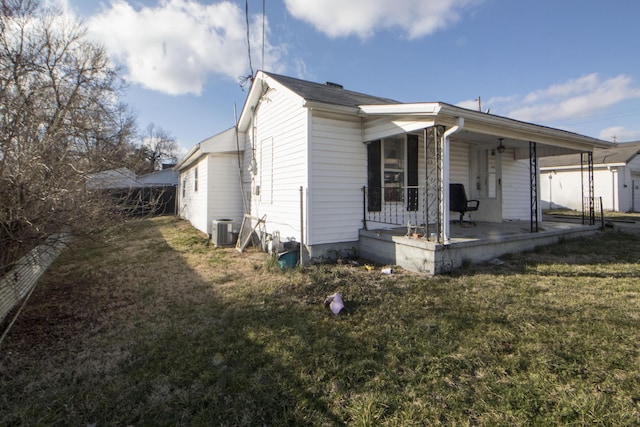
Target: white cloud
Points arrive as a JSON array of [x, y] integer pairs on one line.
[[173, 47], [417, 18], [577, 98], [619, 134]]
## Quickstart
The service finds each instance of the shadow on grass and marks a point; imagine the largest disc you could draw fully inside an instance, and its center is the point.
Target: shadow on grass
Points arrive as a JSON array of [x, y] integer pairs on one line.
[[151, 335], [157, 344]]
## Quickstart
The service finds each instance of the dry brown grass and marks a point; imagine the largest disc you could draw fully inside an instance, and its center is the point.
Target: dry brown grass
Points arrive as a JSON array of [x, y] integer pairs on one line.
[[150, 325]]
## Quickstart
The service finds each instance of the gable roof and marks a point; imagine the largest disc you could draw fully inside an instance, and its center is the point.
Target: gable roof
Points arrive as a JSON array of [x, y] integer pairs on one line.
[[328, 93], [223, 142], [620, 154], [410, 116]]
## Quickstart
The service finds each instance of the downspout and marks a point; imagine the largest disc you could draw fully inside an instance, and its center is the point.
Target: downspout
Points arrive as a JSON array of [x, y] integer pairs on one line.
[[445, 178], [614, 185]]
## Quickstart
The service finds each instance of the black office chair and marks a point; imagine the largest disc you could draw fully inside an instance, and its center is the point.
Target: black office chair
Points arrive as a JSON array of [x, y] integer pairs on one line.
[[458, 202]]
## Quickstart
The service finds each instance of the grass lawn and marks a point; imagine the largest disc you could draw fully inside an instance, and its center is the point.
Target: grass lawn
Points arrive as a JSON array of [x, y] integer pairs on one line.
[[608, 215], [149, 325]]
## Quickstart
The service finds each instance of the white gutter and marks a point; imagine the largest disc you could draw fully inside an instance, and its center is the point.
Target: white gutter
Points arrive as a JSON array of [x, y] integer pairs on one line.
[[445, 178], [577, 167], [186, 159]]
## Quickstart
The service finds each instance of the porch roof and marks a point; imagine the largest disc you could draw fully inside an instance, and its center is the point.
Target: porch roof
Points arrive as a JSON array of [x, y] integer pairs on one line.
[[478, 127]]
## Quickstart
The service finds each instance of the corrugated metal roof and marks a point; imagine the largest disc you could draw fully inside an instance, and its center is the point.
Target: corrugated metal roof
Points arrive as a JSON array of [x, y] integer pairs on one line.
[[622, 153], [329, 93]]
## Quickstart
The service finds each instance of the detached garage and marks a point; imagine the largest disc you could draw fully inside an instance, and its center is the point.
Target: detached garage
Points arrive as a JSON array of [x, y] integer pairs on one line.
[[616, 179]]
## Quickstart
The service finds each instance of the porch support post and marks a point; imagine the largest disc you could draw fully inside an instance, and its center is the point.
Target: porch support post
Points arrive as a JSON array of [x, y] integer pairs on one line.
[[433, 180], [586, 159], [446, 229], [533, 185]]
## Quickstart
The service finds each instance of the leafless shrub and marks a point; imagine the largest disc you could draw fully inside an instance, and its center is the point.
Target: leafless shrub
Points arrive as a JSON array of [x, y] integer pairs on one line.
[[60, 121]]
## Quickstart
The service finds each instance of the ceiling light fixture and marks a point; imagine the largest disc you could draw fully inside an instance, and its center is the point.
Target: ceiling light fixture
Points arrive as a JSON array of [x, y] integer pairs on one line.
[[501, 147]]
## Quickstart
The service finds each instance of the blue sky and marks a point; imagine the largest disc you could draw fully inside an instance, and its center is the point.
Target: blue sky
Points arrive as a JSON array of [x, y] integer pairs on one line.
[[571, 64]]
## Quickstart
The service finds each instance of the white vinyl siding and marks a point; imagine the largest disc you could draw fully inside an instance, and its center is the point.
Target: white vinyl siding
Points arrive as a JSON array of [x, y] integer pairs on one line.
[[516, 200], [635, 192], [225, 197], [459, 164], [266, 170], [281, 135], [218, 194], [563, 188], [338, 173], [193, 206]]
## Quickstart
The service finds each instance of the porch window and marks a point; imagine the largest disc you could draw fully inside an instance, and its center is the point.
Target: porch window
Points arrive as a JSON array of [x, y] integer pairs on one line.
[[393, 149], [392, 165], [374, 195]]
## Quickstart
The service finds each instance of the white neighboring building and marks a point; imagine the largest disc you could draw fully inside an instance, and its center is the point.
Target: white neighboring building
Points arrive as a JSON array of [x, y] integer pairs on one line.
[[616, 173], [112, 179]]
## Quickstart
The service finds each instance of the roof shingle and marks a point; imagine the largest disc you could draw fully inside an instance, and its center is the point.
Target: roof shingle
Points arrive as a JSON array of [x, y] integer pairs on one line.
[[622, 153], [329, 93]]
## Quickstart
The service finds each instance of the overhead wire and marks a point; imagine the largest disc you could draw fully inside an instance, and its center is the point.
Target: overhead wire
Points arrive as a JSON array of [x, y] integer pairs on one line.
[[244, 80], [263, 19]]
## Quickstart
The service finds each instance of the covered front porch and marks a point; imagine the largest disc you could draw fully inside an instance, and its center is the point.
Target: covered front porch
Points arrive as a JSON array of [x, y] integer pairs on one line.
[[480, 243], [417, 154]]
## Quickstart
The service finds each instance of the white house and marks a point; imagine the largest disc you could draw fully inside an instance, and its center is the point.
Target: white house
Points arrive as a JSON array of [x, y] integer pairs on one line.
[[210, 186], [336, 170], [616, 173]]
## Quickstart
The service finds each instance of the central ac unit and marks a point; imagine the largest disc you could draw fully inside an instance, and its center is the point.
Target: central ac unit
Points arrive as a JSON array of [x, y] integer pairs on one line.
[[222, 232]]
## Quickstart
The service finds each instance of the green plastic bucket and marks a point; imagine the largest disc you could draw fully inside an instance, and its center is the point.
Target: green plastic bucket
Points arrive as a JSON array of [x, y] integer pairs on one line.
[[288, 259]]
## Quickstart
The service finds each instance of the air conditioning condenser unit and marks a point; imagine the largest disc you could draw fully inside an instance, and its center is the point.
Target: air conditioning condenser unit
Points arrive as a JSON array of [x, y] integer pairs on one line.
[[223, 232]]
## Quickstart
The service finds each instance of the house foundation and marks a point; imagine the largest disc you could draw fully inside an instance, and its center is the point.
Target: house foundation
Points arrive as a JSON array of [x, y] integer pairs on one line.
[[473, 244]]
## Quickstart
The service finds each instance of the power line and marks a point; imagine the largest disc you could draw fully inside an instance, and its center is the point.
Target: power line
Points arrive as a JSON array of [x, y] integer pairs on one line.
[[263, 15], [246, 79], [602, 117]]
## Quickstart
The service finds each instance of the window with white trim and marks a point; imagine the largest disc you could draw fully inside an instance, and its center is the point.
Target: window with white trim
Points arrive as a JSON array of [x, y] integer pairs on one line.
[[393, 167]]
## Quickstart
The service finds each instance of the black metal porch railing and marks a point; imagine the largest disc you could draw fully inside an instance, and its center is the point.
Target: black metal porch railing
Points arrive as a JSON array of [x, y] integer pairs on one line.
[[399, 206]]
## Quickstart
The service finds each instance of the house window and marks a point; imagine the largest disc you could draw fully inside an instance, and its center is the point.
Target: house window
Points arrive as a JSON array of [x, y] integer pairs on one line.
[[393, 163], [195, 179], [374, 160], [184, 187], [413, 192]]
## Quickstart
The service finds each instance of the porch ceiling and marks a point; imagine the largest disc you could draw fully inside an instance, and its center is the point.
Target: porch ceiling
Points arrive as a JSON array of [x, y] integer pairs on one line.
[[479, 128], [520, 147]]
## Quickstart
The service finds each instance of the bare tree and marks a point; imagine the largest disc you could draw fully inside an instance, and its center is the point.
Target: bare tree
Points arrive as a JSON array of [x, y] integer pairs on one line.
[[60, 120], [157, 147]]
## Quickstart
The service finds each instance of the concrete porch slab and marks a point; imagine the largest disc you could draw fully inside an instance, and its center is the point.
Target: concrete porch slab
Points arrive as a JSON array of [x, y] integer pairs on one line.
[[475, 244]]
